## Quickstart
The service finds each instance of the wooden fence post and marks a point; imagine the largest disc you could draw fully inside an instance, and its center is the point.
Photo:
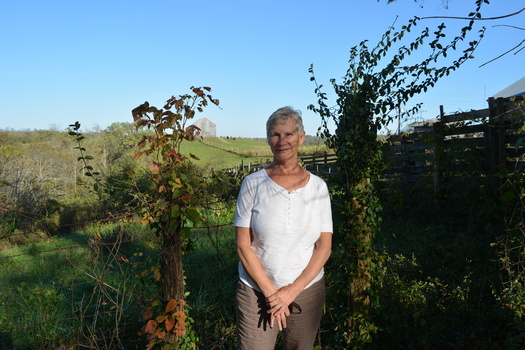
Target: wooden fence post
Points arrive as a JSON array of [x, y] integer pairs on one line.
[[500, 127], [490, 157], [439, 149], [495, 140]]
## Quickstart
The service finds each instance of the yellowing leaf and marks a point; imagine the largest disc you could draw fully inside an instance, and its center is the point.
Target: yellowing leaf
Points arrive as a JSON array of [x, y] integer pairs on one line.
[[180, 316], [155, 168], [151, 326], [172, 305], [169, 325], [161, 335]]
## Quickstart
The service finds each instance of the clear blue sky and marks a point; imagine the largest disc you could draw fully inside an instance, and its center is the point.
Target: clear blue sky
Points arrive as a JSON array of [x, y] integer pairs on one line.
[[94, 61]]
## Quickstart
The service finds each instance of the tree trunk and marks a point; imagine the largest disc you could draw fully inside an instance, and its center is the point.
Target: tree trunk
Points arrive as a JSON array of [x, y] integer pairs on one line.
[[171, 265], [358, 299], [172, 278]]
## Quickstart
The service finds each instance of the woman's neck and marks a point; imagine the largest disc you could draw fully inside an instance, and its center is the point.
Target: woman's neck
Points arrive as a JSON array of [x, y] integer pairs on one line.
[[290, 176], [289, 167]]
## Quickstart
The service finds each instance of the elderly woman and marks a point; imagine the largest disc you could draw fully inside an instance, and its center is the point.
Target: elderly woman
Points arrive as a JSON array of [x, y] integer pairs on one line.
[[283, 226]]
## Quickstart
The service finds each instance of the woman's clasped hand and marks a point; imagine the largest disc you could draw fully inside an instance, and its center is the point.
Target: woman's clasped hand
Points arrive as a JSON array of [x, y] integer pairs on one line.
[[279, 307]]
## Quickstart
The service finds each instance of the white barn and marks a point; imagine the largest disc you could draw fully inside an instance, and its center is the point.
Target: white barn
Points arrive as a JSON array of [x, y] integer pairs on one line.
[[208, 128]]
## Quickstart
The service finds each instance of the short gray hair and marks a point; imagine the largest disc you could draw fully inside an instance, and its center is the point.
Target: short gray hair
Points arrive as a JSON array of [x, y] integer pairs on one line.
[[282, 115]]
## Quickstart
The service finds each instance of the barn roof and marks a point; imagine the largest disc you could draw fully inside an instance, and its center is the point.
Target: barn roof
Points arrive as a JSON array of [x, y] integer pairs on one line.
[[203, 120], [516, 89]]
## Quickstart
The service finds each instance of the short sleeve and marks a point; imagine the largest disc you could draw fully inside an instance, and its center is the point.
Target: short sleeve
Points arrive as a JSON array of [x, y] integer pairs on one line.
[[326, 210], [245, 200]]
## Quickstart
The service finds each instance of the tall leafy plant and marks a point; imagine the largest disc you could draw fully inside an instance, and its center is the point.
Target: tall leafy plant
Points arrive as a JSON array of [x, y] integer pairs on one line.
[[172, 211], [379, 81], [511, 244]]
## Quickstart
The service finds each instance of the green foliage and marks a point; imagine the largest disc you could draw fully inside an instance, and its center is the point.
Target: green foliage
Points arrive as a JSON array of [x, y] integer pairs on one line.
[[40, 179], [434, 284], [85, 159], [377, 83], [213, 278], [175, 186], [172, 212], [94, 265], [511, 244], [438, 279]]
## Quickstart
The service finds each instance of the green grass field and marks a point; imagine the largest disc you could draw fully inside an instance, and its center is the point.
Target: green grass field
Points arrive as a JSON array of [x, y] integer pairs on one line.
[[211, 157], [237, 144]]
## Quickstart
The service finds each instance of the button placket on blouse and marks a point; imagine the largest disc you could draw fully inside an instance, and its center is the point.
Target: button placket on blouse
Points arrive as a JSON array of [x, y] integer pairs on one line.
[[289, 216]]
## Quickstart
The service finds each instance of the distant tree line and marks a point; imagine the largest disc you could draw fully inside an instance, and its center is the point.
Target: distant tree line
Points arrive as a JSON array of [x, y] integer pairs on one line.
[[40, 178]]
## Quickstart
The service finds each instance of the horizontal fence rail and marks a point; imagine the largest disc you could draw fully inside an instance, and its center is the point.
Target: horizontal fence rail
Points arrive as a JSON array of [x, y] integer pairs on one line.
[[317, 164]]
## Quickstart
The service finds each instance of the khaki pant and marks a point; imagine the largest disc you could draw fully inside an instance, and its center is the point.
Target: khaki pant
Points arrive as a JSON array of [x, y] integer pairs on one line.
[[253, 327]]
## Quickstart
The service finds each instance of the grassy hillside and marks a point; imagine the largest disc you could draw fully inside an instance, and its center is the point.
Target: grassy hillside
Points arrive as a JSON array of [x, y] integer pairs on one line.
[[220, 153], [238, 144]]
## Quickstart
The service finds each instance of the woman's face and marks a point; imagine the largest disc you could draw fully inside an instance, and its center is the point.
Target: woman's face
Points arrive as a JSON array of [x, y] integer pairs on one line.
[[284, 140]]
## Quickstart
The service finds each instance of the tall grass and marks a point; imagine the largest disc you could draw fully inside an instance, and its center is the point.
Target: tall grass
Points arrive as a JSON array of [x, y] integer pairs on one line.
[[86, 289], [211, 270], [74, 290]]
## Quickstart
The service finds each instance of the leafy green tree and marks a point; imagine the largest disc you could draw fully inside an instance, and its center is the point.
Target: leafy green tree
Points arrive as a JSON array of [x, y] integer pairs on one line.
[[121, 138], [378, 81]]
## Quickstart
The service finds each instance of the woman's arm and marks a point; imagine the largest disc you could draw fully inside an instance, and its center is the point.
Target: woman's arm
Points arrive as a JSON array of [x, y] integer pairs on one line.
[[251, 262], [286, 295]]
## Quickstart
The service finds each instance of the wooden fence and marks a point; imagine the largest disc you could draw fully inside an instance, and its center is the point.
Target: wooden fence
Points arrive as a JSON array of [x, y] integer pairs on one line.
[[322, 164], [317, 164], [472, 146]]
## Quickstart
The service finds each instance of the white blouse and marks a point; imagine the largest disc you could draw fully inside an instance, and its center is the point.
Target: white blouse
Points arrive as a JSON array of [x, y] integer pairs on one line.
[[285, 225]]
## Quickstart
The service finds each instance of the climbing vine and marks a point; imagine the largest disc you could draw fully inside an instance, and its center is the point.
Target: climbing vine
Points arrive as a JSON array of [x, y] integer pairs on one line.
[[511, 244], [378, 82]]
